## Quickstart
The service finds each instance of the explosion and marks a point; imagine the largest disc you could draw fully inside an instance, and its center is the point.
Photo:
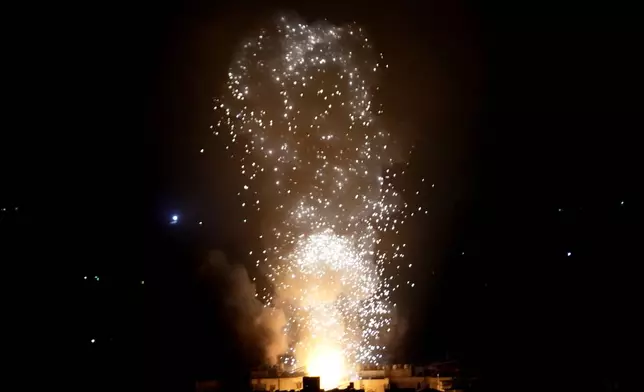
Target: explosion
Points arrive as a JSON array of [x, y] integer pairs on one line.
[[327, 362], [300, 109]]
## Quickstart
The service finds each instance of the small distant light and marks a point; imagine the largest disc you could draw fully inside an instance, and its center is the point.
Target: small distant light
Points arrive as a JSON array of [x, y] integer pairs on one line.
[[462, 253], [621, 204], [4, 209], [97, 278], [201, 151], [17, 207], [175, 218], [143, 282], [93, 340], [200, 223], [569, 253], [85, 277], [561, 209]]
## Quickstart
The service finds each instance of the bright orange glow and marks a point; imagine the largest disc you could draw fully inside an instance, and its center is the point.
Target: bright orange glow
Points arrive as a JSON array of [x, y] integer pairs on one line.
[[327, 363]]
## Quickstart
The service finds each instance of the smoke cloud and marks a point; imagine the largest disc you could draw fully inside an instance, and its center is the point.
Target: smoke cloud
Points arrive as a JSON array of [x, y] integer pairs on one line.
[[258, 328]]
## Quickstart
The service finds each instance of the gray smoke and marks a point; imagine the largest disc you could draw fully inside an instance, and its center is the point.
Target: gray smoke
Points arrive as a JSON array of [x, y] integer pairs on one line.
[[258, 328]]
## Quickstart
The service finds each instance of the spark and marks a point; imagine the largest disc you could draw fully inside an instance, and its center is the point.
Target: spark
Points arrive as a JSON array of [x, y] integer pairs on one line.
[[299, 101]]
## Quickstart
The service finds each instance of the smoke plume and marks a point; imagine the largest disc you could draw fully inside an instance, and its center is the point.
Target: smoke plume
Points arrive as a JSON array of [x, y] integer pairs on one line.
[[258, 328]]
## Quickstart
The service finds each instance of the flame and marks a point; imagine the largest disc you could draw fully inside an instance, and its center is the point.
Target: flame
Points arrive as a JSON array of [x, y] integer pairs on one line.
[[327, 362]]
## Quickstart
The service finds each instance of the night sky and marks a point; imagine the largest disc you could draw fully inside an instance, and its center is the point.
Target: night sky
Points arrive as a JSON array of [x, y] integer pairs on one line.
[[524, 117]]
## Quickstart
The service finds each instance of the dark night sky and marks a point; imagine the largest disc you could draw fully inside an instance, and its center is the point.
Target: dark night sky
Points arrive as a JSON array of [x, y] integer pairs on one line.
[[519, 111]]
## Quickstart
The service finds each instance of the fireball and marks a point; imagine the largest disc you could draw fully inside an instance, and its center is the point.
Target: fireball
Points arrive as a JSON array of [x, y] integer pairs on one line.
[[327, 362]]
